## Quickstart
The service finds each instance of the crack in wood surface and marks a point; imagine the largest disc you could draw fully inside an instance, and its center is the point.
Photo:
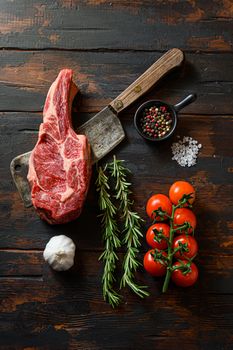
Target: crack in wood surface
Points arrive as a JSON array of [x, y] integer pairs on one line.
[[21, 250], [22, 277], [115, 50]]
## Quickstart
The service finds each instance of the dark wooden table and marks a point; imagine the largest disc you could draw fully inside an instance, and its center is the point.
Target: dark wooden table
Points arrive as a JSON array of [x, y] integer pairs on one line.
[[109, 44]]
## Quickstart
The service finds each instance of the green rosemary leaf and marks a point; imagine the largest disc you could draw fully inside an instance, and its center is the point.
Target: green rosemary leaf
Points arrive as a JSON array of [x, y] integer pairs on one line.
[[131, 222], [110, 233]]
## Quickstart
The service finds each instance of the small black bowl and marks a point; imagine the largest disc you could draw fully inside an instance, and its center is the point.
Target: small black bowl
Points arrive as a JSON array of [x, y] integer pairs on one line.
[[173, 110]]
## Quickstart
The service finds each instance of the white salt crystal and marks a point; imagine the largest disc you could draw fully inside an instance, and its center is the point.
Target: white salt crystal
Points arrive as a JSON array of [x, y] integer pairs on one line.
[[185, 151]]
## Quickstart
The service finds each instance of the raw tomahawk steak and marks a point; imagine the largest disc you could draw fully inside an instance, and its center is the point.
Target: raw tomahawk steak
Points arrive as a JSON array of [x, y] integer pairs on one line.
[[60, 164]]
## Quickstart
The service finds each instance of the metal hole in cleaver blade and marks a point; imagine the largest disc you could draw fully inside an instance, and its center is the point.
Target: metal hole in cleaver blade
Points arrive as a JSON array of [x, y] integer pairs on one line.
[[19, 170]]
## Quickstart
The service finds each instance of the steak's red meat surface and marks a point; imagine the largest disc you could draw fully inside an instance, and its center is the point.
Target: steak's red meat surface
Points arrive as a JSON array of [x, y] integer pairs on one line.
[[60, 164]]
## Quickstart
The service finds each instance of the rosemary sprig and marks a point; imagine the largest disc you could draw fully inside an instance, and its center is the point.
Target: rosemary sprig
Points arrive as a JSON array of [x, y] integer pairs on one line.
[[110, 237], [131, 230]]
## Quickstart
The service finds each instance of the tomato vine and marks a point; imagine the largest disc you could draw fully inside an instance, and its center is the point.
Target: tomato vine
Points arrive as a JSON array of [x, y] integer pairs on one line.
[[184, 265]]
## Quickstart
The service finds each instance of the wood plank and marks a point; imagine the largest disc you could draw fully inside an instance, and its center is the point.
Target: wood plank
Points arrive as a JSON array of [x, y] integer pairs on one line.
[[215, 272], [212, 177], [199, 327], [27, 76], [85, 25], [21, 263]]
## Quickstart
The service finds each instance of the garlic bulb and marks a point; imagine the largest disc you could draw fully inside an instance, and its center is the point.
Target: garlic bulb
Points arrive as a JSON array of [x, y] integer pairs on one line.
[[59, 253]]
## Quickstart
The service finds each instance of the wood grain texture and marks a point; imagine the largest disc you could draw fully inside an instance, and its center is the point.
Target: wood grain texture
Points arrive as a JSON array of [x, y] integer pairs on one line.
[[108, 45], [102, 25]]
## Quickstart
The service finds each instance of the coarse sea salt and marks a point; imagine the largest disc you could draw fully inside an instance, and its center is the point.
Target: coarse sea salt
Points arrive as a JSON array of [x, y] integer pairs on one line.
[[185, 151]]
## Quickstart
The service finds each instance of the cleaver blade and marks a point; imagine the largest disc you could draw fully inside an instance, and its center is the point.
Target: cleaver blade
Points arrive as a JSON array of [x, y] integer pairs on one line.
[[104, 132]]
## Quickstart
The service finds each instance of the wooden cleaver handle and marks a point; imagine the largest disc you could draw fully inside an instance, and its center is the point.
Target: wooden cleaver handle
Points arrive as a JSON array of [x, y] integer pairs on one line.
[[162, 66]]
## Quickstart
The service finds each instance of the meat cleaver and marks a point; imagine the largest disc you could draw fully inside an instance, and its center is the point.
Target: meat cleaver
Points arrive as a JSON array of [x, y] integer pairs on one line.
[[104, 130]]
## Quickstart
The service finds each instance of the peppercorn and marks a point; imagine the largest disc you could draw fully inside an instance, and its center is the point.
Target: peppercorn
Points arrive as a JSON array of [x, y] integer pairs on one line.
[[156, 121]]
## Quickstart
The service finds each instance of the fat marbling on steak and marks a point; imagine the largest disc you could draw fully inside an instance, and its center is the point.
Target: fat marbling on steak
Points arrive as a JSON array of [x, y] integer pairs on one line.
[[60, 164]]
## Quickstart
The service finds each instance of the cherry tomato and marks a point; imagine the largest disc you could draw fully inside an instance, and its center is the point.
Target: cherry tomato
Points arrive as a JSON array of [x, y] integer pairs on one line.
[[158, 201], [150, 235], [191, 246], [183, 215], [178, 189], [152, 266], [183, 278]]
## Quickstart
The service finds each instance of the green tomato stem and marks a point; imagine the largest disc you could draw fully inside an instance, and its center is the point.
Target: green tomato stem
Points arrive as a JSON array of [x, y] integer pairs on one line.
[[180, 228], [169, 251]]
